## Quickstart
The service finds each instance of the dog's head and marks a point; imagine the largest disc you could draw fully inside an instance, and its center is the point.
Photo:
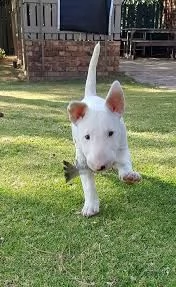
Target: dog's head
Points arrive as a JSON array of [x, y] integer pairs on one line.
[[98, 131]]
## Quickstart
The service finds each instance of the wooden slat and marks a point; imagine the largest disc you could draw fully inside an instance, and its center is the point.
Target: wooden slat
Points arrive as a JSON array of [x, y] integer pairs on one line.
[[57, 9], [83, 36], [70, 36], [32, 15], [154, 43], [90, 37], [47, 15], [48, 36], [110, 37], [54, 15], [25, 15], [29, 29], [54, 36], [43, 1], [62, 36], [77, 36], [116, 37], [96, 37], [102, 37], [38, 15], [117, 14], [30, 36], [112, 20]]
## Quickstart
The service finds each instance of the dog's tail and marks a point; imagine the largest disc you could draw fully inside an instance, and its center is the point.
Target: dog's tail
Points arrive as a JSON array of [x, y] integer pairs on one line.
[[90, 88]]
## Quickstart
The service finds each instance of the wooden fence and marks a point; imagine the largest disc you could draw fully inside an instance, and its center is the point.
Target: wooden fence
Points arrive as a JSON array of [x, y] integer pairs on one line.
[[36, 33], [39, 20]]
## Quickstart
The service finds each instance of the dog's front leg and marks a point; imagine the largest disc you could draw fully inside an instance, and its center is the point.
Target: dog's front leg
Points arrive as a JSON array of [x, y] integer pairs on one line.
[[91, 205], [124, 167]]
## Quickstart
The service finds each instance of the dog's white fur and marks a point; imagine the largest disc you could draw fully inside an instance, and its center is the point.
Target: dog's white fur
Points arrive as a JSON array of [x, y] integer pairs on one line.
[[100, 137]]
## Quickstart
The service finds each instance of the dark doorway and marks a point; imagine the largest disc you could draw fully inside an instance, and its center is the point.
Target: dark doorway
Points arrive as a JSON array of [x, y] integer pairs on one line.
[[6, 39]]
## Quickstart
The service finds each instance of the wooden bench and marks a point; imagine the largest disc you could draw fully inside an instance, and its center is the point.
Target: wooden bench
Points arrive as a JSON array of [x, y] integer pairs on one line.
[[170, 44]]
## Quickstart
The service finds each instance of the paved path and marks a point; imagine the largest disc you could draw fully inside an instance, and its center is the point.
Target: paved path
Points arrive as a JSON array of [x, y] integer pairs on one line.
[[157, 72]]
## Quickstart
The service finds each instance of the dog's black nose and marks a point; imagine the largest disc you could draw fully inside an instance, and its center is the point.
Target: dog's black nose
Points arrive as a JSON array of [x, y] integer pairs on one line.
[[102, 168]]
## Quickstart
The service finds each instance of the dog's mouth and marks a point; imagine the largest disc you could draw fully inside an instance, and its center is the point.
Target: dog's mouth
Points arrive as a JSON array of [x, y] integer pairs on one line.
[[101, 168]]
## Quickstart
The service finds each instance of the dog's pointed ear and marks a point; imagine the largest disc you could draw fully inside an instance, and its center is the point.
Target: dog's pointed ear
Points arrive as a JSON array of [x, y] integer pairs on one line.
[[115, 99], [76, 110]]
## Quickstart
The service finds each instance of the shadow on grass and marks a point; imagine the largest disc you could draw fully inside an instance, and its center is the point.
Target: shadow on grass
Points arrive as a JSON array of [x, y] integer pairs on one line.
[[41, 128], [150, 199], [44, 87], [136, 227], [41, 118], [34, 102], [151, 111]]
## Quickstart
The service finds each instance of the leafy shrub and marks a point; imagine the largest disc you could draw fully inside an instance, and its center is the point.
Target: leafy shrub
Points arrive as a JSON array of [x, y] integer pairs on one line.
[[2, 53]]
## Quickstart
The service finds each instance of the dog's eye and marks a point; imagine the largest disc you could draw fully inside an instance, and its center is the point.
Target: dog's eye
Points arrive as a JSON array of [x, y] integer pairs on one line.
[[110, 133], [87, 137]]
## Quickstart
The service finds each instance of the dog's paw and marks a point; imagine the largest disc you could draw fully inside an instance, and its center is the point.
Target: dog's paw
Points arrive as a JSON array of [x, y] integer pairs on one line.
[[90, 209], [132, 177]]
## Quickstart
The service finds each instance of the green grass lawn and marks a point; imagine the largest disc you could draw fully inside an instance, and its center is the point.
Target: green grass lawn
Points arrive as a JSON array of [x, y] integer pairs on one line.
[[44, 240]]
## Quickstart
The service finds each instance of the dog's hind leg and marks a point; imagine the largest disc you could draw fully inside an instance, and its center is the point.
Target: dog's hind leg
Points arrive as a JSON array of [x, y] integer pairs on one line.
[[91, 205]]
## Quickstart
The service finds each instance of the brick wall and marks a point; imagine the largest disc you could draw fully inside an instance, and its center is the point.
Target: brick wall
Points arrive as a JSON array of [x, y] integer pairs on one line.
[[55, 59]]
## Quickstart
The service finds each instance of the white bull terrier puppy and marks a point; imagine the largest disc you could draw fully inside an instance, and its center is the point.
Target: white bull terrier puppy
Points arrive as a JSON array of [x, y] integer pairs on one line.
[[99, 135]]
